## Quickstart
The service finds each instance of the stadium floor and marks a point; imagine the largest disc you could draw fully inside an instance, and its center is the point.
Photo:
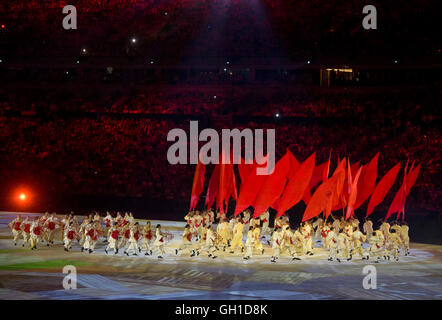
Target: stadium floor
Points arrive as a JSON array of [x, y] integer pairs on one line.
[[26, 274]]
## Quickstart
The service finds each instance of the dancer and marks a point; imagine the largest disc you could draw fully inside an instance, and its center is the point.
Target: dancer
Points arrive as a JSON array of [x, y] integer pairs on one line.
[[237, 236], [113, 233], [133, 240], [147, 239], [186, 243], [15, 225], [277, 237], [159, 242], [69, 236]]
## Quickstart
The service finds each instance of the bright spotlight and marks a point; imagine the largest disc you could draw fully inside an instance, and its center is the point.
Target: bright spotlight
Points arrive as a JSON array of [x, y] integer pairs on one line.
[[22, 196], [277, 115], [134, 40]]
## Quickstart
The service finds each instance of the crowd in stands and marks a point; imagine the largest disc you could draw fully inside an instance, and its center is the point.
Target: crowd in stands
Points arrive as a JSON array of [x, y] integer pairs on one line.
[[108, 154]]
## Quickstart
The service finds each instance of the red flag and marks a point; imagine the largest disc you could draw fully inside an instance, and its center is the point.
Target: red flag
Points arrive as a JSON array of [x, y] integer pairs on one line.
[[353, 195], [245, 169], [198, 184], [249, 189], [382, 188], [297, 185], [212, 189], [273, 186], [324, 196], [367, 181], [398, 203]]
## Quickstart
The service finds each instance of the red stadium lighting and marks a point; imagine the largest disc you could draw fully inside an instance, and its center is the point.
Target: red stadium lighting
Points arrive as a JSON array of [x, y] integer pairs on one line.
[[22, 196]]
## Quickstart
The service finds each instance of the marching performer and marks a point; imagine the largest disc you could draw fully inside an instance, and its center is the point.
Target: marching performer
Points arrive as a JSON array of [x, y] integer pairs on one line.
[[265, 218], [277, 237], [69, 236], [332, 240], [36, 233], [376, 243], [385, 229], [405, 238], [344, 239], [91, 237], [358, 238], [237, 235], [393, 244], [368, 228], [50, 225], [324, 233], [159, 242], [317, 227], [125, 235], [186, 243], [133, 239], [113, 233], [250, 243], [223, 232], [211, 242], [306, 231], [26, 231], [256, 235], [15, 225], [108, 222], [147, 239]]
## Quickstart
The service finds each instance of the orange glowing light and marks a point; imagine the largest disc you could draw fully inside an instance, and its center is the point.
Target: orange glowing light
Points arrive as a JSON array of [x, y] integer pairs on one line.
[[22, 196]]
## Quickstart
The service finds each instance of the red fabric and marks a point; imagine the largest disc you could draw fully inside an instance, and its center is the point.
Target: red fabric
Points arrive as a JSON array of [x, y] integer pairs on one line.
[[91, 233], [297, 185], [127, 234], [325, 194], [212, 189], [137, 235], [245, 169], [353, 195], [398, 203], [37, 231], [71, 234], [273, 186], [249, 189], [149, 235], [51, 225], [367, 181], [115, 234], [189, 236], [198, 184], [17, 226], [27, 228], [382, 188]]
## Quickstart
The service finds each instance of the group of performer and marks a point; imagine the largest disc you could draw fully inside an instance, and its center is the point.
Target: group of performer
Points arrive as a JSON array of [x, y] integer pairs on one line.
[[342, 238]]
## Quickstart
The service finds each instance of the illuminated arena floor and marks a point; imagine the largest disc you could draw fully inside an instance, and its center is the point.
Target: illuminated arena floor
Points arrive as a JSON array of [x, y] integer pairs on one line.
[[26, 274]]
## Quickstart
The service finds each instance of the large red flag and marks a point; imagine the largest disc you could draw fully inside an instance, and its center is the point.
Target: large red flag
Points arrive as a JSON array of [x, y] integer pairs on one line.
[[212, 189], [398, 203], [353, 194], [296, 186], [250, 188], [367, 181], [273, 186], [198, 184], [318, 175], [322, 199], [382, 188]]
